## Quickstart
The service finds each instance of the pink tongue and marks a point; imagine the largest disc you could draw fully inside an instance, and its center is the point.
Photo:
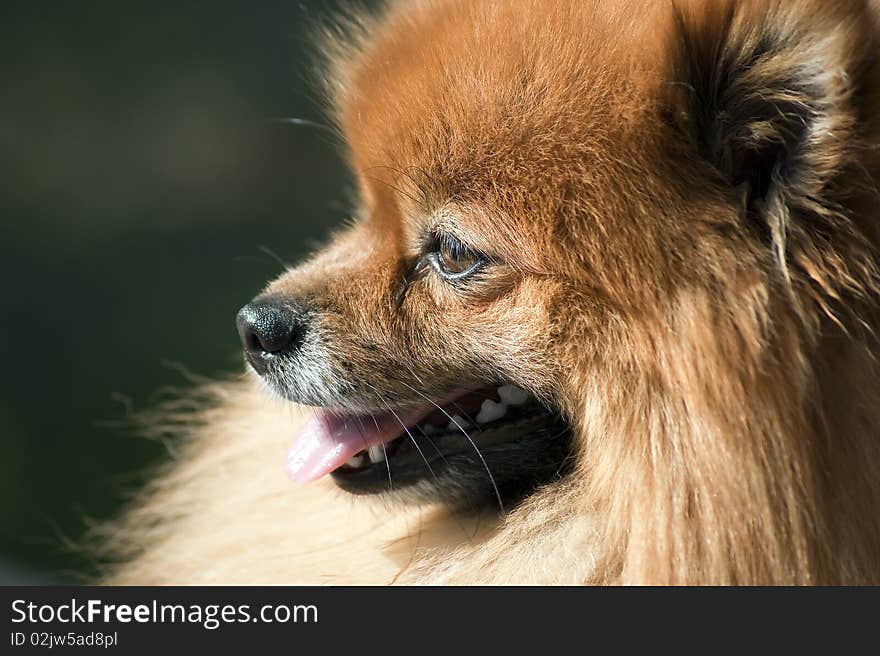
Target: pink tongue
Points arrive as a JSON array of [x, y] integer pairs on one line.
[[328, 441]]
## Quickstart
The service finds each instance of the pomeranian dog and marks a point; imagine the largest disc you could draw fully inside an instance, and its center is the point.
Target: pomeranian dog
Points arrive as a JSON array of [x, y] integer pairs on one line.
[[605, 313]]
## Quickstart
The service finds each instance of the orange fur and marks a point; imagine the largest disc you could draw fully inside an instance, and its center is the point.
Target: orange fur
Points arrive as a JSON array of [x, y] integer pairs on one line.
[[682, 199]]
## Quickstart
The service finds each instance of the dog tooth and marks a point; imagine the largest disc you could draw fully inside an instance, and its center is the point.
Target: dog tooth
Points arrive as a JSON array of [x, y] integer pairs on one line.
[[513, 395], [490, 411], [457, 422], [355, 461], [377, 454]]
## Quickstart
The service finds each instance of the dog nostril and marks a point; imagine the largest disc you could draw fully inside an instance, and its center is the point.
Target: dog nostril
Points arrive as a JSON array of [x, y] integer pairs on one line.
[[252, 342], [268, 327]]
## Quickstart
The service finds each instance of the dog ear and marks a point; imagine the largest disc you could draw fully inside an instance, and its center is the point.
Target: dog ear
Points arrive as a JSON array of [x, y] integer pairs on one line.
[[768, 91]]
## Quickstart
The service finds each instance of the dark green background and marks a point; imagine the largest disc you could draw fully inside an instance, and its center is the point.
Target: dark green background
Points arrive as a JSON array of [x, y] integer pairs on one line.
[[142, 174]]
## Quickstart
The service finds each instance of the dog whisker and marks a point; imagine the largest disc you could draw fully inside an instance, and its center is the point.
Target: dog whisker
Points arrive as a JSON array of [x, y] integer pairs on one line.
[[268, 251], [473, 444], [384, 452], [304, 122], [472, 508], [395, 188], [360, 430], [406, 430]]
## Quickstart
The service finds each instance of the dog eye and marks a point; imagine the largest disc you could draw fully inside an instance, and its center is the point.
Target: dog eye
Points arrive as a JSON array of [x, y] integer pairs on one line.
[[453, 260]]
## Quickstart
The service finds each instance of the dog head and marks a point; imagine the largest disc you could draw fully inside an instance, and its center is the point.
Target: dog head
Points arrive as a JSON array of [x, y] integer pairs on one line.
[[550, 195]]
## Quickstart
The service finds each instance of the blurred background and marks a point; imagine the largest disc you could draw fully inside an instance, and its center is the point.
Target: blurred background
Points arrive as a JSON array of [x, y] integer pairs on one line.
[[148, 190]]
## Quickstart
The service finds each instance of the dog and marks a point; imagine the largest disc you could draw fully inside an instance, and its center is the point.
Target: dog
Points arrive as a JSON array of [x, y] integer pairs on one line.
[[605, 313]]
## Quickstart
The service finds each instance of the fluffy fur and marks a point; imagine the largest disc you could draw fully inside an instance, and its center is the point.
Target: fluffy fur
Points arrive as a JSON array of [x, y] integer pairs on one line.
[[685, 193]]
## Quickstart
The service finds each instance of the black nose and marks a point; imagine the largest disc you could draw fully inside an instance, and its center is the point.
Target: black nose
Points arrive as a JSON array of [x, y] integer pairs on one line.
[[268, 328]]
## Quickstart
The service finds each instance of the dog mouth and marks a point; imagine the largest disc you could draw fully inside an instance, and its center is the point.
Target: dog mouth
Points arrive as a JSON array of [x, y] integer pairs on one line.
[[494, 441]]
